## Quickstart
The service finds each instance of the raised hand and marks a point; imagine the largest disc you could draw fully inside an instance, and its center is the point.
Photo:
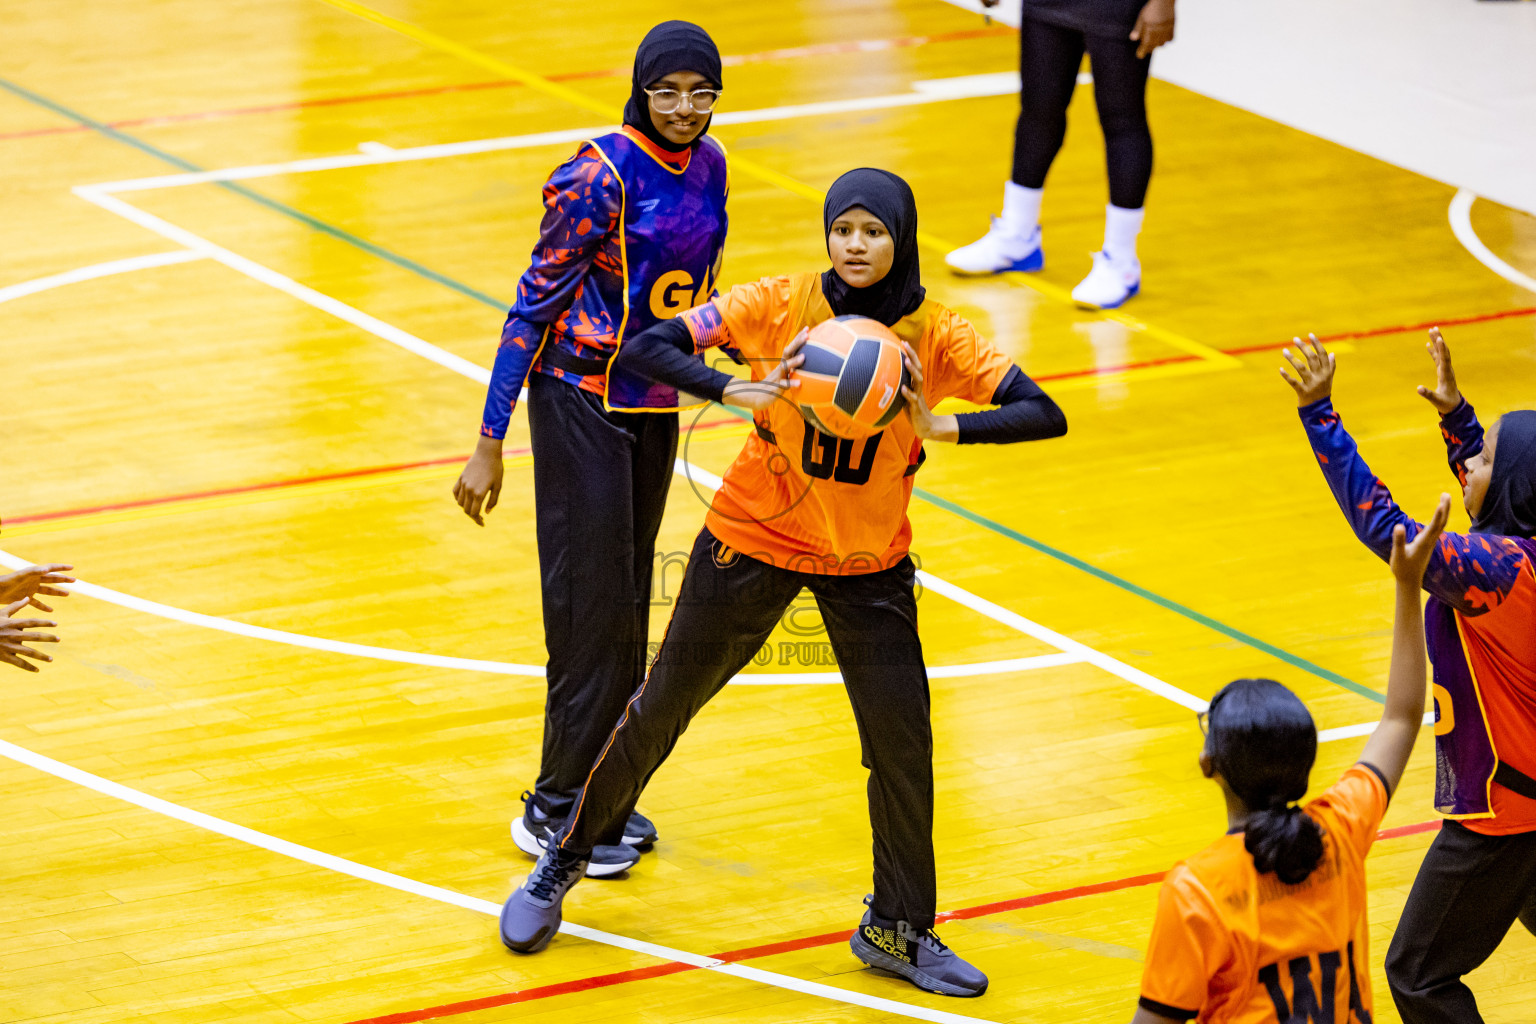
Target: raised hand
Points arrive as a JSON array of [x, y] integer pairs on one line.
[[1314, 373], [1409, 561], [15, 635], [33, 580], [1446, 396], [758, 395]]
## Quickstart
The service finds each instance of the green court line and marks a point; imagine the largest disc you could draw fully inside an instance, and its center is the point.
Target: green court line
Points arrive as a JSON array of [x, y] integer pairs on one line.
[[1155, 598], [249, 193], [931, 498]]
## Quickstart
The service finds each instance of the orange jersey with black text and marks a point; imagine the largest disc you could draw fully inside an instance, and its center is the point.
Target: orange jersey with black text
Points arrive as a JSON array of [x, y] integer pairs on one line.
[[1233, 946], [807, 501]]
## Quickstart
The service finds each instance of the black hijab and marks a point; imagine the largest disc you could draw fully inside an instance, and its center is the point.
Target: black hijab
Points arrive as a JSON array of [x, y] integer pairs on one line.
[[669, 47], [886, 196], [1509, 507]]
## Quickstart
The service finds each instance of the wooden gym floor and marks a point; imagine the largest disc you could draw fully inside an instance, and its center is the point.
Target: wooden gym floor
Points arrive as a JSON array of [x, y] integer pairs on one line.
[[240, 410]]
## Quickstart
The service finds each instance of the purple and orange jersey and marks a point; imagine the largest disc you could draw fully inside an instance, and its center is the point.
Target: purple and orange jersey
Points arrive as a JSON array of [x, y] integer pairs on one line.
[[631, 235], [1480, 626]]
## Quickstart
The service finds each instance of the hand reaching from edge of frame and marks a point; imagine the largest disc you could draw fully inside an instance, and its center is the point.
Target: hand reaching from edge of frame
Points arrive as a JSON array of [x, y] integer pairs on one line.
[[33, 580], [15, 634]]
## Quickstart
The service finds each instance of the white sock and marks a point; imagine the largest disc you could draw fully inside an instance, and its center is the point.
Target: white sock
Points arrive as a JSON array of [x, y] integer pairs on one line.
[[1021, 209], [1121, 226]]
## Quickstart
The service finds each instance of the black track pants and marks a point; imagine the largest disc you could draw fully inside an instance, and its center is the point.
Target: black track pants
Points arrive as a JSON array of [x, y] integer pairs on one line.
[[1470, 889], [727, 607], [1049, 58], [600, 484]]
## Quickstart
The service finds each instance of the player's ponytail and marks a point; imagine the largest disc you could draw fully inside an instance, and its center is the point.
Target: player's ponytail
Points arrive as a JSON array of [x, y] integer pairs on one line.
[[1262, 740]]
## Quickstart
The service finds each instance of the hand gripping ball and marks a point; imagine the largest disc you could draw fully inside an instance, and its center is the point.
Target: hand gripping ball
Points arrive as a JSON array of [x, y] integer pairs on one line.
[[851, 380]]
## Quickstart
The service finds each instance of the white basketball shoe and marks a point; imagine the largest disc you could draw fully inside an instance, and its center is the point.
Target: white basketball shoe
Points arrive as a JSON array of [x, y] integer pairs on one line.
[[998, 251], [1111, 282]]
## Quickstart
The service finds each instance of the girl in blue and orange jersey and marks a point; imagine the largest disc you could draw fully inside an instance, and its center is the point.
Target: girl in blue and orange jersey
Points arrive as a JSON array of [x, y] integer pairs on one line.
[[1479, 875], [633, 231]]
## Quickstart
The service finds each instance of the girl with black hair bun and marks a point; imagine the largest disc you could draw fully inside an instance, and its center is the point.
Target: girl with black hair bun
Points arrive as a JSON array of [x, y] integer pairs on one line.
[[1268, 923], [1479, 875]]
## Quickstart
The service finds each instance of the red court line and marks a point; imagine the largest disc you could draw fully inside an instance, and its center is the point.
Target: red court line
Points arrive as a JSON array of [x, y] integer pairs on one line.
[[736, 60], [530, 994], [794, 945], [1375, 332], [276, 485]]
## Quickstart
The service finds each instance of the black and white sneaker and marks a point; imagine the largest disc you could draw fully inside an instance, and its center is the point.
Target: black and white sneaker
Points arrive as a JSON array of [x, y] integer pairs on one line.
[[533, 829], [918, 956], [531, 915]]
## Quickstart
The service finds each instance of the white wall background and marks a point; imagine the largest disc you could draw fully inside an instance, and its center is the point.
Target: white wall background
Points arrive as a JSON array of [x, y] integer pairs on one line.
[[1446, 88]]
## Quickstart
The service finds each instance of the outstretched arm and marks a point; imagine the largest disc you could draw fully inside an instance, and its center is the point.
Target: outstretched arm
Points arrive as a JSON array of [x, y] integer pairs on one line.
[[1472, 573], [664, 353], [1389, 746]]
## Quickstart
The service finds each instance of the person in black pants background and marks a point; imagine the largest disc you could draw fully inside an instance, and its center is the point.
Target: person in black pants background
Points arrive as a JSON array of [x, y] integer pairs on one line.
[[1119, 37]]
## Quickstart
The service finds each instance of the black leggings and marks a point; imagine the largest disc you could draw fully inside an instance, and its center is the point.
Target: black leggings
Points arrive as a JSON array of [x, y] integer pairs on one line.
[[728, 606], [1049, 58], [1470, 889], [600, 483]]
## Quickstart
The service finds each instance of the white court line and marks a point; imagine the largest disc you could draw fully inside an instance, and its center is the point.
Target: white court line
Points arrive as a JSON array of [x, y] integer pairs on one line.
[[42, 284], [303, 293], [1114, 666], [505, 668], [314, 643], [432, 892], [1345, 732], [427, 350], [1460, 215], [937, 90], [448, 360]]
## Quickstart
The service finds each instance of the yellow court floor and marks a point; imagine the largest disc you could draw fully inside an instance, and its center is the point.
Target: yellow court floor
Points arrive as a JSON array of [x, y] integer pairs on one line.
[[254, 258]]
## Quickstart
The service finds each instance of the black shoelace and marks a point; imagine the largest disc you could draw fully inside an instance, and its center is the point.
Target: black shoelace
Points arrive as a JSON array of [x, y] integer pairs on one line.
[[930, 938], [552, 873]]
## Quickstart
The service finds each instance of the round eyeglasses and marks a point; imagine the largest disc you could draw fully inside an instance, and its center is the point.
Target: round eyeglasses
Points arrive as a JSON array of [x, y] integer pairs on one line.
[[667, 101]]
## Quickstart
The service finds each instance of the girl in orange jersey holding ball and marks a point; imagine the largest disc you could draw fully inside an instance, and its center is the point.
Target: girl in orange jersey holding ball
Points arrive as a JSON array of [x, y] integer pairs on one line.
[[799, 508], [1267, 925]]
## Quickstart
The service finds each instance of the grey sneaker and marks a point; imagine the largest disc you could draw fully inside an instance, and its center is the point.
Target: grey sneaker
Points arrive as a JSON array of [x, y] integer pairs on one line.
[[533, 829], [639, 831], [531, 915], [918, 956]]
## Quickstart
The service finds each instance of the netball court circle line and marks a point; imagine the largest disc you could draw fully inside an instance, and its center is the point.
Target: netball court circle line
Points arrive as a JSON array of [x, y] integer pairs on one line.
[[365, 873], [448, 360], [1071, 650], [1460, 214]]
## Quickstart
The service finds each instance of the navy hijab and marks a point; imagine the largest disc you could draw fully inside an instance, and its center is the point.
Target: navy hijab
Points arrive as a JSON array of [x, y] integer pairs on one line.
[[669, 47], [886, 196], [1509, 507]]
